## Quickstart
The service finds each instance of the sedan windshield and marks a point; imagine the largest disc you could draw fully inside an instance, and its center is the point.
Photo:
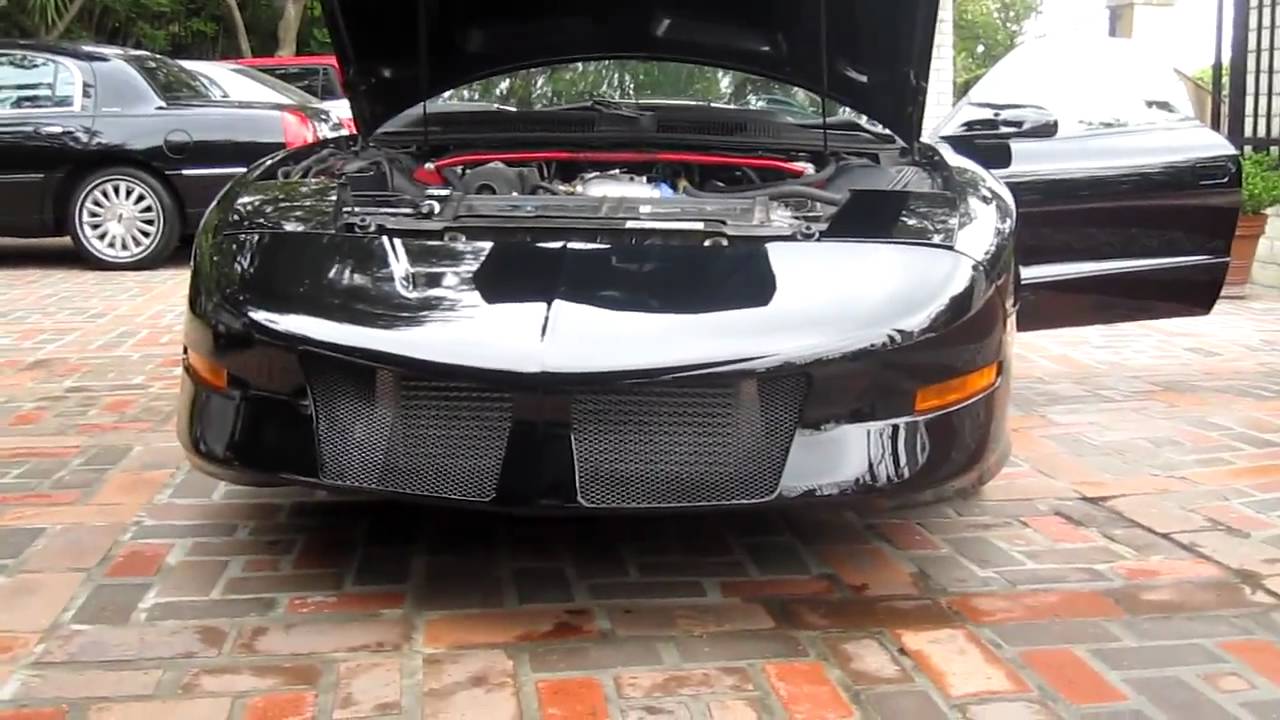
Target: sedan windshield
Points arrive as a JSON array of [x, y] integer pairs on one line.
[[171, 81]]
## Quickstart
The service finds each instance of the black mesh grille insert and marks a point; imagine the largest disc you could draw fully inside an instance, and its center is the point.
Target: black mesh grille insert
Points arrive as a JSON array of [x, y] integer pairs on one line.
[[665, 446], [379, 430]]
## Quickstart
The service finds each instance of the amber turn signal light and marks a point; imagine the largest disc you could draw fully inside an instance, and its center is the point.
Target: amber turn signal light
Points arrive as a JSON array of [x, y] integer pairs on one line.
[[205, 370], [957, 390]]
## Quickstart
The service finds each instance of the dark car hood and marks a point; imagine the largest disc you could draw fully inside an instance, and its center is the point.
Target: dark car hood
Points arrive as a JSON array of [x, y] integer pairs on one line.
[[396, 53]]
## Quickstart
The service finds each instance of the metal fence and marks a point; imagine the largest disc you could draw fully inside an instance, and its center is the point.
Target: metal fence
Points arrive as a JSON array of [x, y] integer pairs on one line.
[[1251, 105]]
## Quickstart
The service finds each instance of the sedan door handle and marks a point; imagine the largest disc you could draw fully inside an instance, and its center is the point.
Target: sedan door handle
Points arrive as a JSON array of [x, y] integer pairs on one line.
[[52, 130], [1213, 173]]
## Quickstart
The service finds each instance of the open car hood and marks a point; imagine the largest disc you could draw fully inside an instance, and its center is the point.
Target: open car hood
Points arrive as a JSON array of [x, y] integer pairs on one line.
[[396, 53]]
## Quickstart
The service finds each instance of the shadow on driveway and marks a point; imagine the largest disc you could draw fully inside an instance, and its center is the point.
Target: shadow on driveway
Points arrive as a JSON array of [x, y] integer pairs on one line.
[[58, 252]]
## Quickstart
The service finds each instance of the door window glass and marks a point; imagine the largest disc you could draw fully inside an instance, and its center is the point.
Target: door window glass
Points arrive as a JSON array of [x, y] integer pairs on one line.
[[1090, 86], [330, 88], [33, 82]]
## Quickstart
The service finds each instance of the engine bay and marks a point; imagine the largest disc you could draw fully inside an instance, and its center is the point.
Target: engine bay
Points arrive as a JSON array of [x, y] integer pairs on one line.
[[758, 195]]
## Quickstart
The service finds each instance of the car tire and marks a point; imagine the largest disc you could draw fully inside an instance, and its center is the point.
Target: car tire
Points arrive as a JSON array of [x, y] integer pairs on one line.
[[123, 218]]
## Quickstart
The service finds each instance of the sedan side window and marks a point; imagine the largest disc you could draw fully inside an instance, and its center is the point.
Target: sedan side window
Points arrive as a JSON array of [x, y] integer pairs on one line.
[[33, 82], [1108, 84]]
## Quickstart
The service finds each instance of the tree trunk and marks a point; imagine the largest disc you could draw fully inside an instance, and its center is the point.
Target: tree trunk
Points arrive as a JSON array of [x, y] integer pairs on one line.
[[237, 23], [65, 21], [287, 30], [93, 19]]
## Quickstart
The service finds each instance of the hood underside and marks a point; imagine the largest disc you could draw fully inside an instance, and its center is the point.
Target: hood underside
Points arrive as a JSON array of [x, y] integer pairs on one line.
[[870, 55]]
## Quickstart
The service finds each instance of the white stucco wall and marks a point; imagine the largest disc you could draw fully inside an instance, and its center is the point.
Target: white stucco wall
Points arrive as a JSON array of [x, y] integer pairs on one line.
[[1266, 266], [943, 74]]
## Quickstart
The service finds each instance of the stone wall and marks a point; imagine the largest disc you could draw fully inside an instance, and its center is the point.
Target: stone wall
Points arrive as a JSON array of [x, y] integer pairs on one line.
[[943, 73]]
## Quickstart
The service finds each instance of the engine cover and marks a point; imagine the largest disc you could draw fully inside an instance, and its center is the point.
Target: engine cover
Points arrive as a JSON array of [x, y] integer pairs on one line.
[[616, 184]]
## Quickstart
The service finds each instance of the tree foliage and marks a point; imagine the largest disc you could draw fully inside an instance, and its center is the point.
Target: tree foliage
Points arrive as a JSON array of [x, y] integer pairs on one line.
[[1261, 184], [1204, 76], [181, 28], [985, 31], [45, 19]]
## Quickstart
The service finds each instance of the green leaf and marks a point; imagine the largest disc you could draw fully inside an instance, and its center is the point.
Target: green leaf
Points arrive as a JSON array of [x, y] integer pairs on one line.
[[1261, 182], [985, 31]]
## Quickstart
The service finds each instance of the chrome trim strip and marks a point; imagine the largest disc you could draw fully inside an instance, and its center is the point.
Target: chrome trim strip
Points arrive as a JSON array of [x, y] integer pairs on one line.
[[22, 176], [1050, 272], [199, 172]]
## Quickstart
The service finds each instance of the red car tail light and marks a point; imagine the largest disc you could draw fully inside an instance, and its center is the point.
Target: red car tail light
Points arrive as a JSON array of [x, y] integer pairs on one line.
[[298, 129]]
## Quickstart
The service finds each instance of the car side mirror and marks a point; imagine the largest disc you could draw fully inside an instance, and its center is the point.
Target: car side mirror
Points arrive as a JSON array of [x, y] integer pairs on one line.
[[989, 121], [982, 131]]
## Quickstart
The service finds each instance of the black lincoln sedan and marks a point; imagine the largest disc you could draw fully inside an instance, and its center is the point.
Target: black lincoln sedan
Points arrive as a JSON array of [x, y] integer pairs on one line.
[[124, 150], [588, 270]]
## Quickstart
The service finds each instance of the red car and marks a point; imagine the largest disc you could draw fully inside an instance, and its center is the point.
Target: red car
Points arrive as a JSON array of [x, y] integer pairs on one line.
[[317, 75]]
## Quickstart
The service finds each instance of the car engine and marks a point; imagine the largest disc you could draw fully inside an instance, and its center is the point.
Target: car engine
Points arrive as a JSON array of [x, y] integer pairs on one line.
[[743, 194], [616, 183]]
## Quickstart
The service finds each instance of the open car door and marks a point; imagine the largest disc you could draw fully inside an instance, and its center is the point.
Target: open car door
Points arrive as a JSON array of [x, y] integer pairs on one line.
[[1126, 211]]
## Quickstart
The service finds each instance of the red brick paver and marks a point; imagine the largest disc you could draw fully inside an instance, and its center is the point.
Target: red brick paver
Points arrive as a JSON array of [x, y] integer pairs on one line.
[[806, 693], [573, 699], [1127, 562], [1072, 677]]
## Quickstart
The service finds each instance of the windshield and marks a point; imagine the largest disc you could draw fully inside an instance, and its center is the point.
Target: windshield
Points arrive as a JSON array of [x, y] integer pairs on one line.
[[641, 80], [1140, 90], [170, 80], [280, 87]]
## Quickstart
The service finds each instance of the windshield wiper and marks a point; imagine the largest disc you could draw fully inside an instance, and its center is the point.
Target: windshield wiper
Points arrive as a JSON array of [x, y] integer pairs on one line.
[[847, 124], [607, 106]]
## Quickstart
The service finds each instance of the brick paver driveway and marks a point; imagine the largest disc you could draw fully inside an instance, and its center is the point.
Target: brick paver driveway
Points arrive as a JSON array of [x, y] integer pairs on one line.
[[1127, 564]]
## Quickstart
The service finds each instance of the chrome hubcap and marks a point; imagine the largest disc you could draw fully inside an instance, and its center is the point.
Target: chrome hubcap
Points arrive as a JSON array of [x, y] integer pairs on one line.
[[119, 219]]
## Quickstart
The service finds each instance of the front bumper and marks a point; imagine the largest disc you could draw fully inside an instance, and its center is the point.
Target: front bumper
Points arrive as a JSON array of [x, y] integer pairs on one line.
[[678, 383], [260, 441]]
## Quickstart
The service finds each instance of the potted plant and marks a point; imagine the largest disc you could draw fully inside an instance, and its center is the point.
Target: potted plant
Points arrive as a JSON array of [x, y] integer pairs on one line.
[[1261, 192]]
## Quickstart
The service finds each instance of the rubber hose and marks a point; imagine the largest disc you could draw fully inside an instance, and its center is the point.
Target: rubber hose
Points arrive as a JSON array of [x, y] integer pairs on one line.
[[817, 178], [797, 192]]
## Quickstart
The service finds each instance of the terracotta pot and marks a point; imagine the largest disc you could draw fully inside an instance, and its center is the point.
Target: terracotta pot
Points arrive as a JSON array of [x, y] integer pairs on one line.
[[1243, 249]]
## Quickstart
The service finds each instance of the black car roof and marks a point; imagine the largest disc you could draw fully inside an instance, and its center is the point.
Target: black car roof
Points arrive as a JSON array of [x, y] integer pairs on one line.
[[89, 52]]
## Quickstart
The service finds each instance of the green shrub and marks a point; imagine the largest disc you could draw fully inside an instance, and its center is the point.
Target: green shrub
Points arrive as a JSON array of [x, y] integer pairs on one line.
[[1261, 183]]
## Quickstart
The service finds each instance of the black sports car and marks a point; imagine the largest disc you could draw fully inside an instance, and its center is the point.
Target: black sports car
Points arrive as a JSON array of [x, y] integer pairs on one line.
[[124, 150], [594, 274]]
